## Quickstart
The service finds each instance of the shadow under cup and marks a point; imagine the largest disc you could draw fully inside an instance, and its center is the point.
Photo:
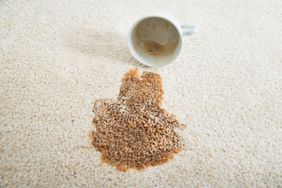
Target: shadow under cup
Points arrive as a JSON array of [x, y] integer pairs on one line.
[[155, 41]]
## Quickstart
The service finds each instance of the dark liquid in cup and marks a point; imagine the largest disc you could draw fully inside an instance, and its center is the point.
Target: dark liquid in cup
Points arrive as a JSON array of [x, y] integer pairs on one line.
[[155, 49]]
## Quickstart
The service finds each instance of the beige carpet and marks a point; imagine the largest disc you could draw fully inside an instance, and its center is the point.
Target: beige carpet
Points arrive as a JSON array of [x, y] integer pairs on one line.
[[57, 57]]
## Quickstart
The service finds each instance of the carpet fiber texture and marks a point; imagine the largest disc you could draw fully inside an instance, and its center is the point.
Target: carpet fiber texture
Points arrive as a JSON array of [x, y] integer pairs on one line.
[[57, 57]]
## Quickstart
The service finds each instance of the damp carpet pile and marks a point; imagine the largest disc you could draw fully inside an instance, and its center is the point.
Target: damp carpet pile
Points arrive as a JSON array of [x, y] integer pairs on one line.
[[58, 57]]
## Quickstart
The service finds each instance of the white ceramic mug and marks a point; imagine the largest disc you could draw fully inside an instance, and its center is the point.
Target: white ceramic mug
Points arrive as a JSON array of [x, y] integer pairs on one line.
[[156, 39]]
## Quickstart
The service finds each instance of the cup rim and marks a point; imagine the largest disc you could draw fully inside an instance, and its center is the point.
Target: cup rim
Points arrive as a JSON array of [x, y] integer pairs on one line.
[[136, 55]]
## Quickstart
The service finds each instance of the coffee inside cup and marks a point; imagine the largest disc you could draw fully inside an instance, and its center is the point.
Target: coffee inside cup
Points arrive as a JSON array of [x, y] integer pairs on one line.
[[155, 39]]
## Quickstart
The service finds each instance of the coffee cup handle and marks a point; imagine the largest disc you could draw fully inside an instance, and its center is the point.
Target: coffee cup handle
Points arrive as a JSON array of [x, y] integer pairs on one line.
[[189, 29]]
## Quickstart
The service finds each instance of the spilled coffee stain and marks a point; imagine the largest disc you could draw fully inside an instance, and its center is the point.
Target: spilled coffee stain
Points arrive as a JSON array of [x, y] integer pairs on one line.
[[133, 131]]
